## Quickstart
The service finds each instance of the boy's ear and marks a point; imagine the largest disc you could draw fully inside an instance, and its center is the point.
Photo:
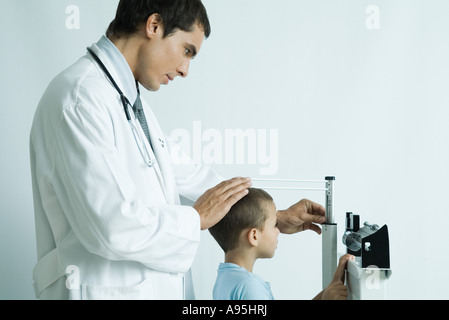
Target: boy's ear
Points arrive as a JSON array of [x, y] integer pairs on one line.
[[253, 237]]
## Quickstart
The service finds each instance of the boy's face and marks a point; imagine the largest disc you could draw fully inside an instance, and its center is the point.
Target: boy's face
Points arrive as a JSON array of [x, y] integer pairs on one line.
[[269, 234]]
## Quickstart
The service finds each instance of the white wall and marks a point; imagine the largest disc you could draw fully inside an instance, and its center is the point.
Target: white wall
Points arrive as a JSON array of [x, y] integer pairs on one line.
[[369, 106]]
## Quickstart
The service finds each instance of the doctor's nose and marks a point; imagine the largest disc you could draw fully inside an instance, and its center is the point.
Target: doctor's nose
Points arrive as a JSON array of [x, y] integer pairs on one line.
[[183, 70]]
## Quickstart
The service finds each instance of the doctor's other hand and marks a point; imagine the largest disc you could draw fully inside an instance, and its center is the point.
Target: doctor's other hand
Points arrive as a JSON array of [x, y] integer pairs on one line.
[[300, 217], [336, 290], [216, 202]]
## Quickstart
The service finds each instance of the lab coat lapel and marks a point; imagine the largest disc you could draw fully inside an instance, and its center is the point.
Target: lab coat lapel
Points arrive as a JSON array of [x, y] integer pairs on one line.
[[155, 151], [160, 167], [162, 155]]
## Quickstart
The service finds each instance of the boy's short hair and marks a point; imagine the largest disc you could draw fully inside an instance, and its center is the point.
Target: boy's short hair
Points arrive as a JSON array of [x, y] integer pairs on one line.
[[249, 212], [175, 14]]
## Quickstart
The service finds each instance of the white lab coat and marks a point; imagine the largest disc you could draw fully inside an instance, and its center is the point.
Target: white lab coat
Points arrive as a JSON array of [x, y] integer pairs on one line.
[[108, 226]]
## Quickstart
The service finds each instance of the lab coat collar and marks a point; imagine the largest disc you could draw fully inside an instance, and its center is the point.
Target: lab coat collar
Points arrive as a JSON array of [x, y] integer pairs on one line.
[[121, 67]]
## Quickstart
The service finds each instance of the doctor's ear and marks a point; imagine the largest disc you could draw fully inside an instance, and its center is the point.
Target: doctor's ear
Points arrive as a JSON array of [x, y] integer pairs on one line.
[[154, 26], [253, 237]]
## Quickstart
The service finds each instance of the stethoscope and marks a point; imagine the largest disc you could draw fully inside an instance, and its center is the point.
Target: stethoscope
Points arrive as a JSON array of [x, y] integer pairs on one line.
[[126, 104]]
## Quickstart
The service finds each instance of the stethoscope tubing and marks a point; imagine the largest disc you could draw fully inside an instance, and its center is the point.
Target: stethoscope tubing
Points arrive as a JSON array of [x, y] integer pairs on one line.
[[147, 159]]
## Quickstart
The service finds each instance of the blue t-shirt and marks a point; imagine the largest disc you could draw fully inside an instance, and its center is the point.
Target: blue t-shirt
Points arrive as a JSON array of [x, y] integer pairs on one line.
[[236, 283]]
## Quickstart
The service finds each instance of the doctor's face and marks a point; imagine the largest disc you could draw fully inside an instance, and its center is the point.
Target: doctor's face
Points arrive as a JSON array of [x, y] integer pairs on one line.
[[161, 59]]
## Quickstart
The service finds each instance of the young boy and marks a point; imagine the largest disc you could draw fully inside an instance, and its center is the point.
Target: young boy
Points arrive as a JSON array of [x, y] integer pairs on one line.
[[249, 232]]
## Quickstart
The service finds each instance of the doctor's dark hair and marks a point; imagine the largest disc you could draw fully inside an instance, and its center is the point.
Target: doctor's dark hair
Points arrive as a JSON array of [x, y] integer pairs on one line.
[[175, 14], [249, 212]]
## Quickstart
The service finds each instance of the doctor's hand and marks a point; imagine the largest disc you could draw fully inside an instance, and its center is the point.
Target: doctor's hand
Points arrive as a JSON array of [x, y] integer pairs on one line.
[[216, 202], [301, 216]]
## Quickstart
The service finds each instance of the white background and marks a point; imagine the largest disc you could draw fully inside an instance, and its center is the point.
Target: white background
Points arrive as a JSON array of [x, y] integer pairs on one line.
[[369, 106]]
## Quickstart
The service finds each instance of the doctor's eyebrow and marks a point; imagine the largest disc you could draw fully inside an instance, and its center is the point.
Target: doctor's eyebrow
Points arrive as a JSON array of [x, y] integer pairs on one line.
[[192, 50]]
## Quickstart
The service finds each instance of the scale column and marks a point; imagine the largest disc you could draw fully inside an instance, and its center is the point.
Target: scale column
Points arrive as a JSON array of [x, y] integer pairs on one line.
[[329, 236]]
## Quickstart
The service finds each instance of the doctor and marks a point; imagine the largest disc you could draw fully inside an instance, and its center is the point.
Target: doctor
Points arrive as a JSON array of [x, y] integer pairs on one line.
[[109, 221]]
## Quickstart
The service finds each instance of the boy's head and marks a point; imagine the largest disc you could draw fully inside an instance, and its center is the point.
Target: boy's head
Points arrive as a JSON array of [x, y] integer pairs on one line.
[[252, 220]]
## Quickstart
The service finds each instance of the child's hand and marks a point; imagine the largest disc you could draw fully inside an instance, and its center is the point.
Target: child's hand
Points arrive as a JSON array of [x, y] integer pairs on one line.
[[336, 290]]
